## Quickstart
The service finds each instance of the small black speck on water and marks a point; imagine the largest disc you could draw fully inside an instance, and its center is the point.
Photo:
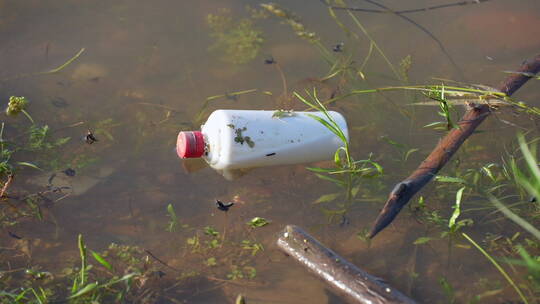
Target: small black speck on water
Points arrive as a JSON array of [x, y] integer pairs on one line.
[[269, 60], [69, 172]]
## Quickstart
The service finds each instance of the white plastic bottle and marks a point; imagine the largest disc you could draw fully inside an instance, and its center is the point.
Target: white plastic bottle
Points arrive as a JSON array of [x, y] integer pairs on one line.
[[237, 139]]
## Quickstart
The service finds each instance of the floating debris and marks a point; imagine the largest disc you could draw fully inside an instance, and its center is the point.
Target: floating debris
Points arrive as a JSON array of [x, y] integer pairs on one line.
[[90, 138]]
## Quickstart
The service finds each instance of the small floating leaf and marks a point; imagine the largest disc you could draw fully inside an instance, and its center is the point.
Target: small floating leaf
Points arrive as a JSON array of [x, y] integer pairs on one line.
[[422, 240], [258, 222], [327, 198]]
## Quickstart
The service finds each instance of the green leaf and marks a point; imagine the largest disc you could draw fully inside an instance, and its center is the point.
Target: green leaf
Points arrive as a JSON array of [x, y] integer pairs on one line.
[[433, 124], [514, 217], [334, 180], [411, 151], [210, 231], [321, 170], [27, 164], [211, 262], [449, 179], [327, 198], [487, 170], [86, 289], [101, 260], [329, 127], [457, 209], [258, 222], [337, 157], [124, 278], [423, 240]]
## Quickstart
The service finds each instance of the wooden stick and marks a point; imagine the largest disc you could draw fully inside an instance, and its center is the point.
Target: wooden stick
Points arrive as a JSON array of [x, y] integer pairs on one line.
[[356, 285], [475, 115]]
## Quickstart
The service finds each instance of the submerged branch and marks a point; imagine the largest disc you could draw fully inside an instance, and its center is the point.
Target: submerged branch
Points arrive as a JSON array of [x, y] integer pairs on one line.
[[447, 146], [407, 11], [356, 285]]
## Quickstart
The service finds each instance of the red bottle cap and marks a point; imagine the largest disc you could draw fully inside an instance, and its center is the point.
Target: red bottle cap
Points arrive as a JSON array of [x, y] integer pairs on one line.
[[190, 144]]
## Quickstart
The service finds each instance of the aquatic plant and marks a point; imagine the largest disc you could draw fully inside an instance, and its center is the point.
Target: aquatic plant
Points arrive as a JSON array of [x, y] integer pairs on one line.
[[348, 172], [238, 40]]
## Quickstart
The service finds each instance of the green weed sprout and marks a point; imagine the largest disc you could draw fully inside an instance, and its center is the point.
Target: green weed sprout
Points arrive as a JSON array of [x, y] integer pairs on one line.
[[16, 105], [348, 170]]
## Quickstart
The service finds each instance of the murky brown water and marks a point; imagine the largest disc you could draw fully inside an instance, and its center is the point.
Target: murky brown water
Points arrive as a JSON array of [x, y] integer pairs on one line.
[[143, 77]]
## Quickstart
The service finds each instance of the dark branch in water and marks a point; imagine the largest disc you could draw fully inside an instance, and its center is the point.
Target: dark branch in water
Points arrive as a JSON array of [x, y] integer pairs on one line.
[[161, 261], [356, 285], [408, 11], [446, 147]]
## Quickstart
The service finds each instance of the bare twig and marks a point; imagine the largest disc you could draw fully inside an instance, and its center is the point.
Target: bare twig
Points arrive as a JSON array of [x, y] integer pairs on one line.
[[161, 261], [447, 146]]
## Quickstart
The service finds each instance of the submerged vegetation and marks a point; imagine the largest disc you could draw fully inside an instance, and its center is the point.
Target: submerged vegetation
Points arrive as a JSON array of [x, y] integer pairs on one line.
[[482, 209], [238, 41]]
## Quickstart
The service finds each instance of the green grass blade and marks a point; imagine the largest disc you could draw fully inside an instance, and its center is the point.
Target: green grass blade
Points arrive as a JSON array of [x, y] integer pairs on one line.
[[499, 268], [529, 157], [27, 164], [101, 260], [82, 252], [514, 217], [58, 69], [86, 289]]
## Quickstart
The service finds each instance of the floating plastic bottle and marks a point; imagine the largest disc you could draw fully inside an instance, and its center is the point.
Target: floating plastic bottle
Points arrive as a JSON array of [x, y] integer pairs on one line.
[[239, 139]]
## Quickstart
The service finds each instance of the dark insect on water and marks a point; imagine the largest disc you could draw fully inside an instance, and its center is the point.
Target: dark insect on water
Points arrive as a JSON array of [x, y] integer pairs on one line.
[[69, 172], [269, 60], [13, 235], [90, 138], [338, 47], [223, 207]]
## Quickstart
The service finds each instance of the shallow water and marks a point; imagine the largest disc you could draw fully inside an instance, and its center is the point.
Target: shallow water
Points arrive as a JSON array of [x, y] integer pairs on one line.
[[144, 75]]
